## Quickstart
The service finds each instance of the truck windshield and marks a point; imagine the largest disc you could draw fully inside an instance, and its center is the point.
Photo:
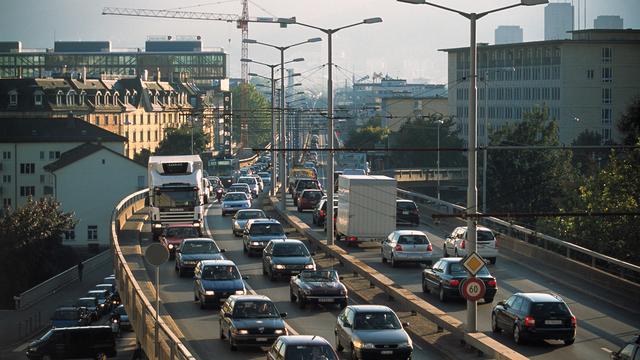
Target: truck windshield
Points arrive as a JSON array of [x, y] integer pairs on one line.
[[187, 198]]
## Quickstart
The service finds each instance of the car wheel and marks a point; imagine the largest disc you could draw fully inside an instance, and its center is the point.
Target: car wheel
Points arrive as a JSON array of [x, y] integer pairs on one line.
[[488, 300], [272, 277], [292, 297], [571, 341], [444, 251], [221, 331], [339, 346], [492, 261], [494, 323], [442, 295], [384, 259], [202, 304], [517, 337], [425, 287], [354, 354], [302, 303], [394, 263], [232, 345]]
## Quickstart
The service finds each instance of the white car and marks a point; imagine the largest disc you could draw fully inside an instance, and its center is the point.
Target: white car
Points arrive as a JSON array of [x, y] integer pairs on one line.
[[253, 184], [206, 190], [456, 243], [406, 246], [266, 177], [260, 182]]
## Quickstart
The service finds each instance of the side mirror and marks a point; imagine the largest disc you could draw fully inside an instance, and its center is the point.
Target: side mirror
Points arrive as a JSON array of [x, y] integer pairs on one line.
[[340, 278], [406, 324], [502, 303], [227, 315], [313, 253], [223, 250], [178, 250], [287, 232], [195, 277], [283, 315], [346, 324], [244, 277]]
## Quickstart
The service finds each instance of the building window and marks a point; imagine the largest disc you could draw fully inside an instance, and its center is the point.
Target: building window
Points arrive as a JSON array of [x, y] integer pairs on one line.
[[13, 99], [607, 74], [607, 53], [41, 155], [606, 116], [155, 137], [6, 155], [134, 119], [606, 135], [148, 119], [6, 178], [134, 136], [606, 96], [37, 99], [92, 232], [82, 96], [59, 98], [27, 168], [41, 179], [47, 190], [27, 191], [155, 116], [97, 120], [141, 136], [71, 98], [70, 235], [6, 202], [148, 135]]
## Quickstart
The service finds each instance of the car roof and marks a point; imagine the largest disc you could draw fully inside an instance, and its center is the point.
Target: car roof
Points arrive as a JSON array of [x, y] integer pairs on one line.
[[405, 201], [250, 210], [282, 241], [95, 291], [262, 221], [478, 227], [541, 297], [86, 298], [304, 340], [249, 297], [235, 192], [409, 232], [370, 308], [198, 239], [217, 262], [67, 308]]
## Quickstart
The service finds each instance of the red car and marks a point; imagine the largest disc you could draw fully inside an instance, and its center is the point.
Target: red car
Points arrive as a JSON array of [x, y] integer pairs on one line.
[[309, 199], [173, 235]]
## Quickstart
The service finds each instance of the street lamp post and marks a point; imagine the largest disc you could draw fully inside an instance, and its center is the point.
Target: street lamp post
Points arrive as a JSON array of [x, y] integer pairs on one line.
[[272, 191], [330, 179], [472, 192], [283, 171], [439, 122]]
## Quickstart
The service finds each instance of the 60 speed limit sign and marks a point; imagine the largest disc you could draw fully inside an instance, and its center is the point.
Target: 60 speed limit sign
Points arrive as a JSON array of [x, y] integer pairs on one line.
[[473, 289]]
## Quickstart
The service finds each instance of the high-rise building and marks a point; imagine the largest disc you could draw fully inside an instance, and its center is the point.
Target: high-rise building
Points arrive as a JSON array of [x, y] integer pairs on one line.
[[608, 22], [585, 83], [558, 21], [508, 34]]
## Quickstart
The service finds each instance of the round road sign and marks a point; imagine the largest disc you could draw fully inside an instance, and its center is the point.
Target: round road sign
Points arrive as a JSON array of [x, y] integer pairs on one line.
[[473, 289], [156, 254]]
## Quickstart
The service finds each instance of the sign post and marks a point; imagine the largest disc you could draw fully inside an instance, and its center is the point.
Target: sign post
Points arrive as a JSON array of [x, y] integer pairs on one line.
[[473, 289], [156, 255]]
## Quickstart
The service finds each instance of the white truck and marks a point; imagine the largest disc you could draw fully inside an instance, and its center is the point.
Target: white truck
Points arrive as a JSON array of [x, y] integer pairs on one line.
[[366, 208], [176, 193]]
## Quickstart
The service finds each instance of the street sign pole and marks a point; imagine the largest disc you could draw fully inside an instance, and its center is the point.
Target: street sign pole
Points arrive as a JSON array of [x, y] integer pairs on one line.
[[156, 255]]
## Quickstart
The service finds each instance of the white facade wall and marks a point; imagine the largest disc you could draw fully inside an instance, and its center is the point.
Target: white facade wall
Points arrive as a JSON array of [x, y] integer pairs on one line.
[[91, 187]]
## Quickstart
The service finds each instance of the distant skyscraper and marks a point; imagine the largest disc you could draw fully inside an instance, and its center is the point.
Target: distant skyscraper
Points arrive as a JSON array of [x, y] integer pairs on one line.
[[508, 34], [558, 19], [608, 22]]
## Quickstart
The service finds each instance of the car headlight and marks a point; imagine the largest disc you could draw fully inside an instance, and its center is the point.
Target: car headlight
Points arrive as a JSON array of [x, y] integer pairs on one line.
[[306, 291], [242, 332], [170, 246], [279, 266], [226, 205], [189, 262], [343, 292], [404, 345], [33, 349], [239, 292], [209, 292], [279, 331], [157, 226], [102, 305], [255, 243], [310, 266]]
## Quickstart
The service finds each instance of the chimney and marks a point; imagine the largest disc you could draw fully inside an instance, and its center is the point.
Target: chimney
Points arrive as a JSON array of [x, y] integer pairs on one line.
[[145, 74], [158, 74], [84, 74]]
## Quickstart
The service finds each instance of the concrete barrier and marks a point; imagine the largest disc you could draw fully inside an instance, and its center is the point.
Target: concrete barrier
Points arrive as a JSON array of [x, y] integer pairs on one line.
[[479, 341]]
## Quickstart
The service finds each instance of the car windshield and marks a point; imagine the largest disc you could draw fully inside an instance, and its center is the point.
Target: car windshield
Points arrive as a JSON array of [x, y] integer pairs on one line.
[[182, 232], [413, 240], [254, 309], [319, 275], [266, 229], [65, 315], [312, 195], [406, 205], [254, 214], [484, 235], [307, 185], [247, 180], [549, 309], [290, 249], [235, 197], [86, 302], [376, 321], [220, 272], [98, 295], [309, 352], [456, 269], [199, 247]]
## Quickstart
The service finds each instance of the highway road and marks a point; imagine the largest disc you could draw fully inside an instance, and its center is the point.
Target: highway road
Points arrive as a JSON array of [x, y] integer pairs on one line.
[[601, 326], [200, 327]]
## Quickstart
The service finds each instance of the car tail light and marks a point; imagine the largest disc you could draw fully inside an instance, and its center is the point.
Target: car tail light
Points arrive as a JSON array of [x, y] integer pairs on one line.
[[398, 247], [429, 247], [352, 238], [454, 282], [529, 321], [492, 283], [462, 244], [322, 213], [574, 321]]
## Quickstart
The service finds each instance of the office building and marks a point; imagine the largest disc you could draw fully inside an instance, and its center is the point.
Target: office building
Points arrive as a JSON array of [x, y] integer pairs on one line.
[[508, 34], [608, 22], [586, 83], [558, 21]]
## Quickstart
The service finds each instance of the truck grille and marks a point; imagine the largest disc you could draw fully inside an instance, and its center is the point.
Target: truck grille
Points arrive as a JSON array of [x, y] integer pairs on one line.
[[176, 217]]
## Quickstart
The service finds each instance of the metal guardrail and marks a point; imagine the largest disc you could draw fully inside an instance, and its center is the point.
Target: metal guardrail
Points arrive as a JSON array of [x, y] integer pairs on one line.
[[252, 159], [56, 283], [430, 174], [141, 312], [569, 250]]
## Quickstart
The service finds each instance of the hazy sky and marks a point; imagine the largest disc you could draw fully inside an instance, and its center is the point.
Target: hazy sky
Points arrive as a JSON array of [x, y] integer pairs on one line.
[[405, 45]]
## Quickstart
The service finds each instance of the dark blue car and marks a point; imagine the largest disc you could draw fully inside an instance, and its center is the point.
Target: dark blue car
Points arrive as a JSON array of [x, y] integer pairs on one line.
[[216, 280], [70, 316]]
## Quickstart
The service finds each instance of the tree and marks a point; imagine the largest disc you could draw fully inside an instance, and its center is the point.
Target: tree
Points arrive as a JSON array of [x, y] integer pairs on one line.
[[629, 123], [587, 161], [143, 156], [528, 180], [178, 141], [31, 245], [258, 114], [367, 137]]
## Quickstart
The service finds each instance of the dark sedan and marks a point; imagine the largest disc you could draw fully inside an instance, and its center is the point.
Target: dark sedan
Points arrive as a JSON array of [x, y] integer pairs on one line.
[[372, 332], [308, 199], [251, 320], [91, 304], [70, 316], [285, 258], [319, 286], [534, 316], [446, 275], [215, 280], [407, 213], [195, 250], [104, 300]]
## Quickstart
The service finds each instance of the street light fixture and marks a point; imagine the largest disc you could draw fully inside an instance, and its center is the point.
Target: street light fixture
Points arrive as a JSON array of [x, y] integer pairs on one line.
[[472, 192], [283, 168], [330, 174]]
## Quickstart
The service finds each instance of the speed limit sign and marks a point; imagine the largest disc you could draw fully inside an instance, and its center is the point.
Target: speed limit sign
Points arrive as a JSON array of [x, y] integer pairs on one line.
[[473, 289]]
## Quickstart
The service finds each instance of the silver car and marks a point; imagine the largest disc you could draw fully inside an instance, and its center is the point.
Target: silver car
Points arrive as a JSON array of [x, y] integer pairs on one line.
[[235, 201], [242, 216], [406, 246], [258, 233], [253, 184]]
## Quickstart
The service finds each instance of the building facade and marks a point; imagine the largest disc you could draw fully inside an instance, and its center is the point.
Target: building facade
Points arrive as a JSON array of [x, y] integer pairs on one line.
[[397, 111], [507, 34], [175, 58], [558, 21], [608, 22], [586, 83]]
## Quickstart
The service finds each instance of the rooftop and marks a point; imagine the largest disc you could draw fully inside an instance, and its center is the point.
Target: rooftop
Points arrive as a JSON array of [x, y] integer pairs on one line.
[[78, 153], [70, 129]]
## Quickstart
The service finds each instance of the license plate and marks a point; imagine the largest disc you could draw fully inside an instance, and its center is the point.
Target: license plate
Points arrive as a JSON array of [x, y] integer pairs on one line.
[[386, 352], [325, 300], [295, 272], [553, 322], [261, 339], [405, 213]]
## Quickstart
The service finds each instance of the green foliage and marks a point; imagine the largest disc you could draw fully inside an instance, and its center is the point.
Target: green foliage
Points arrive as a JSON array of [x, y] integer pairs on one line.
[[367, 137], [528, 180], [258, 112], [31, 246], [588, 161], [629, 123], [142, 157], [178, 141]]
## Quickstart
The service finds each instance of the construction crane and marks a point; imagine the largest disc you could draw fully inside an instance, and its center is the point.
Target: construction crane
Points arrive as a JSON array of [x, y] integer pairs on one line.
[[242, 23]]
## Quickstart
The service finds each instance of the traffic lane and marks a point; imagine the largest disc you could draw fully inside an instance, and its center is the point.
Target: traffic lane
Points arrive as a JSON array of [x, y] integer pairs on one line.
[[599, 325]]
